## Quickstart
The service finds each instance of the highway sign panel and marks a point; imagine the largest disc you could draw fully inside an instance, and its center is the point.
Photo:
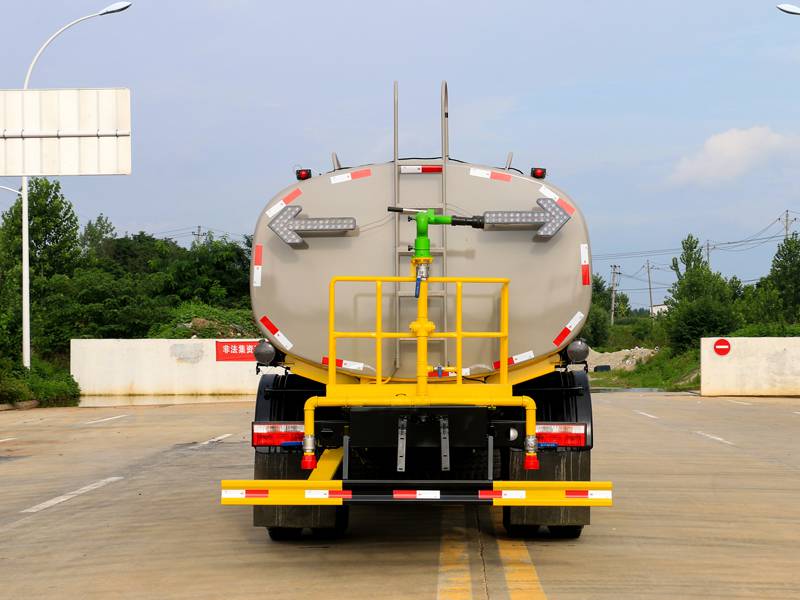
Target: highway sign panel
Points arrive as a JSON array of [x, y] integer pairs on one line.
[[65, 132]]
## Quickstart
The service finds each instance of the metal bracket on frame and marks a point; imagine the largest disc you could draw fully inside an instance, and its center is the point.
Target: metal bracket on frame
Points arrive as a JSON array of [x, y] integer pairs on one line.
[[444, 435], [402, 431]]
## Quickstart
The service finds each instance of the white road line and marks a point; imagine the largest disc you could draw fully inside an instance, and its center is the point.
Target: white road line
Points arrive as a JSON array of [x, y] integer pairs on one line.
[[106, 419], [715, 438], [219, 438], [6, 440], [71, 495], [739, 402], [644, 414]]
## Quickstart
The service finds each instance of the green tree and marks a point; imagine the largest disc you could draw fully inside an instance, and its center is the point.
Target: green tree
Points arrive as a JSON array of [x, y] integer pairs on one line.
[[701, 302], [784, 276], [53, 225], [598, 326], [96, 236]]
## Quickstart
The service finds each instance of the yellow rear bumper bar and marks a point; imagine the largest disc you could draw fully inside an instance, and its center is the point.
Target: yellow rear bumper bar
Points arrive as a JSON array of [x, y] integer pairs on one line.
[[333, 492]]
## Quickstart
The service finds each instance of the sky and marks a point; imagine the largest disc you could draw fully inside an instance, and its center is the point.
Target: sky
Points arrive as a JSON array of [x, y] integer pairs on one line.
[[659, 119]]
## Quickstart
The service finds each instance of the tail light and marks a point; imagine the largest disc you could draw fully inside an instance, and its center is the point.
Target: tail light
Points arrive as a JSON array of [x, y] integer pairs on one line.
[[278, 434], [555, 435], [303, 174]]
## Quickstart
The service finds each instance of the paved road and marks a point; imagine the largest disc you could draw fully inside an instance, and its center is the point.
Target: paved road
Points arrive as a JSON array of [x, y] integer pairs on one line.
[[122, 502]]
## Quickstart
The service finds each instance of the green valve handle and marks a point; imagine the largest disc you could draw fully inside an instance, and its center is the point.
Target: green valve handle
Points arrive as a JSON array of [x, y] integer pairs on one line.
[[426, 217]]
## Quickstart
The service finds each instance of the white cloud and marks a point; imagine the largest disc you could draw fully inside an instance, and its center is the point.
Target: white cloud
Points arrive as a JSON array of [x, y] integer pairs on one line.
[[728, 155]]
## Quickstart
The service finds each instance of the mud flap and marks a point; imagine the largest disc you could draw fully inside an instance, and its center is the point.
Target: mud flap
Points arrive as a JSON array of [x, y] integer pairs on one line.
[[287, 466], [554, 466]]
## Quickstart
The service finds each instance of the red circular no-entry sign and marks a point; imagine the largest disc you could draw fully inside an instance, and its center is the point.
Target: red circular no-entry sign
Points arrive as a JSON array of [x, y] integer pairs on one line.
[[722, 347]]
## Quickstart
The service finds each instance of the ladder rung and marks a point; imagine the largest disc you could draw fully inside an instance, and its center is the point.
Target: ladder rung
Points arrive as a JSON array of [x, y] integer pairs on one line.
[[413, 339], [431, 294]]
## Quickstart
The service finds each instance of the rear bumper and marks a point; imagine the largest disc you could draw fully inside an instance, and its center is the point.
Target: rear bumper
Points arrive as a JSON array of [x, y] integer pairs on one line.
[[337, 492]]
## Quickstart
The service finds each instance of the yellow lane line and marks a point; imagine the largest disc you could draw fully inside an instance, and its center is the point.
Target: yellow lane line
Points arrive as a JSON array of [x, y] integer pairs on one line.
[[454, 579], [522, 580]]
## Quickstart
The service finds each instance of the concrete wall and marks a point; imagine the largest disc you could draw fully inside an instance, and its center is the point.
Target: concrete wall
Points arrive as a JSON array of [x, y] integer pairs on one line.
[[752, 367], [163, 367]]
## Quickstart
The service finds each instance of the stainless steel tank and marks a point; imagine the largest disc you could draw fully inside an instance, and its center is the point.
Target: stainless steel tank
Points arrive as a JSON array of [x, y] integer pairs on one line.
[[294, 261]]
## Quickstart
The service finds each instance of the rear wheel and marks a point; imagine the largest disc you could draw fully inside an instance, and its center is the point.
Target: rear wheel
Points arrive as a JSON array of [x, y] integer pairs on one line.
[[284, 534], [565, 532]]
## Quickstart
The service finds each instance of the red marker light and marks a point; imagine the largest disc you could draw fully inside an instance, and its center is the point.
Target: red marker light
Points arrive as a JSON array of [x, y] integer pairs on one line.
[[303, 174], [538, 173]]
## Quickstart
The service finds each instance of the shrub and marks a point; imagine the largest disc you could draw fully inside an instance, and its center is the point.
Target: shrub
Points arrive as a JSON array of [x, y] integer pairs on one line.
[[52, 385]]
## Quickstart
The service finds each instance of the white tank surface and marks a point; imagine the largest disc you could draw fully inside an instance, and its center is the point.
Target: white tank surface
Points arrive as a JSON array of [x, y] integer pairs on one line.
[[293, 263]]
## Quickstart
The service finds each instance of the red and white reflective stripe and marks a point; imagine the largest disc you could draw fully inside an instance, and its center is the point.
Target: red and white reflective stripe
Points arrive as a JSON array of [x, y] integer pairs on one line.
[[586, 275], [416, 494], [345, 364], [516, 359], [351, 176], [284, 202], [411, 169], [566, 206], [277, 334], [568, 328], [465, 371], [509, 494], [241, 494], [591, 494], [258, 255], [327, 494], [487, 174]]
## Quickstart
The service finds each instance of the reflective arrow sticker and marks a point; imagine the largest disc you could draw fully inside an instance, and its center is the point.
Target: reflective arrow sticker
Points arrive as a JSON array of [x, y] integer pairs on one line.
[[516, 359], [487, 174], [287, 227], [547, 221], [345, 364]]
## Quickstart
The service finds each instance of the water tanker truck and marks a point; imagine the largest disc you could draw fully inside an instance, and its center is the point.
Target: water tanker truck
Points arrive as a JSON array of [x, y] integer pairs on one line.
[[425, 315]]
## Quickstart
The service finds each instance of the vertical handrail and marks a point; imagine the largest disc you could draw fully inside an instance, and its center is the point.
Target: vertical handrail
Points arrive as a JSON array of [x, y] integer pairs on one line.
[[378, 333], [395, 258], [445, 157], [459, 332], [331, 333], [504, 331]]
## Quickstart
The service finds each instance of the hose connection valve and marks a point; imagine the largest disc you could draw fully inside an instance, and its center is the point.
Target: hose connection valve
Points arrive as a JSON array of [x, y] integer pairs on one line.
[[531, 460], [309, 460]]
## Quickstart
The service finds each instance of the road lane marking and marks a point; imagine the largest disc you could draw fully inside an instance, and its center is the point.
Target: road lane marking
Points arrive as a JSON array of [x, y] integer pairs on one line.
[[6, 440], [644, 414], [522, 580], [715, 438], [214, 440], [739, 402], [106, 419], [454, 580], [71, 495]]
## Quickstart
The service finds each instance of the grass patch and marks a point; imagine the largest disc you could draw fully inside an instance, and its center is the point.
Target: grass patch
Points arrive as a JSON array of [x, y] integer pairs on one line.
[[205, 321], [51, 385], [664, 370]]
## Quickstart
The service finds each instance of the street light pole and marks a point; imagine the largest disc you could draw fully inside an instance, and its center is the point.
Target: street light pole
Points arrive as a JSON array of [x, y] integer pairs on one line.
[[8, 189], [26, 284]]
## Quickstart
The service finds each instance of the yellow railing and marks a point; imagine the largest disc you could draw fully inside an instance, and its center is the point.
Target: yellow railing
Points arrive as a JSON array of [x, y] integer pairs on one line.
[[421, 328]]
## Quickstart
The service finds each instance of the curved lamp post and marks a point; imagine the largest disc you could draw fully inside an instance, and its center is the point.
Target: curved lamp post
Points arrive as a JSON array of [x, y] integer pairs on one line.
[[26, 290]]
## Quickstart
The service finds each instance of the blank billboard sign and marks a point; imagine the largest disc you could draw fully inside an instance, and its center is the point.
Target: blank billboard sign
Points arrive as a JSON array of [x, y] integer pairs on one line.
[[65, 132]]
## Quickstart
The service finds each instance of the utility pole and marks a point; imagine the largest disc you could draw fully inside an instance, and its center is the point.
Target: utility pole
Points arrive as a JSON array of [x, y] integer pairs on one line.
[[614, 273], [708, 254], [198, 234], [650, 287], [786, 223]]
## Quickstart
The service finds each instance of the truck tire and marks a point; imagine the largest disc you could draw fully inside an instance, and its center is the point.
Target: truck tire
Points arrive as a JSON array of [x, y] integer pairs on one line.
[[284, 534], [565, 532]]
